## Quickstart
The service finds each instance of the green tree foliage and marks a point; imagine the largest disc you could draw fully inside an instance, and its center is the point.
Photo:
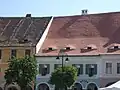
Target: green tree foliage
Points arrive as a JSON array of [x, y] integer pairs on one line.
[[62, 79], [21, 71]]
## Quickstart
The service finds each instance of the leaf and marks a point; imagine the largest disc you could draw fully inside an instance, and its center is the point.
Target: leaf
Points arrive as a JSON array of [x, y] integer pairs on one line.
[[63, 79], [21, 71]]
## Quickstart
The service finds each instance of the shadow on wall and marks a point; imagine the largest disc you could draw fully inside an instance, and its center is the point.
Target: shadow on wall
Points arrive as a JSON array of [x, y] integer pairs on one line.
[[110, 84], [12, 87], [1, 88]]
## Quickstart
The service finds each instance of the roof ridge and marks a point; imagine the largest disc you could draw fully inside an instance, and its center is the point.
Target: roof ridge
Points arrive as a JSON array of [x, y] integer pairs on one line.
[[87, 14]]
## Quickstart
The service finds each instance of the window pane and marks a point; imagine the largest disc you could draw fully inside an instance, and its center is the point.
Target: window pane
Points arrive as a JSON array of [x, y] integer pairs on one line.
[[92, 67], [118, 68], [87, 68], [79, 67], [27, 52], [13, 53], [108, 68], [48, 68], [40, 67], [44, 69], [95, 68]]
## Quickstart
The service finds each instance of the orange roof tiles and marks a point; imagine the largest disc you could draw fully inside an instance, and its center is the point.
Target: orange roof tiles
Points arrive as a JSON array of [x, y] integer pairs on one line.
[[101, 30]]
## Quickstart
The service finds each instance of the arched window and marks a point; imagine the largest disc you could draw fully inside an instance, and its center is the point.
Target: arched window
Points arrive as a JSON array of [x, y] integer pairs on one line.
[[77, 86], [92, 86], [43, 86]]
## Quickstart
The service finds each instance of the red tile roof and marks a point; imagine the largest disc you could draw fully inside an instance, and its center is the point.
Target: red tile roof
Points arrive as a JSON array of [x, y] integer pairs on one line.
[[100, 30], [17, 30]]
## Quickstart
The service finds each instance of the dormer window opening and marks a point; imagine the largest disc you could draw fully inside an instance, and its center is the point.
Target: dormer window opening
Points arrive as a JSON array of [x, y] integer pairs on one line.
[[89, 48], [25, 40], [116, 47], [67, 48], [50, 48]]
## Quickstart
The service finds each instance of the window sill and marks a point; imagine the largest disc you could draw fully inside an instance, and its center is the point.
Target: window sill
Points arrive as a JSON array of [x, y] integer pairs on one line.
[[47, 75]]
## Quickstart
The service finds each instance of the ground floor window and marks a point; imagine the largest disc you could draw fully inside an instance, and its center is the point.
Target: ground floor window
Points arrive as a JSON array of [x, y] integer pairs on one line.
[[43, 86], [77, 86], [92, 86]]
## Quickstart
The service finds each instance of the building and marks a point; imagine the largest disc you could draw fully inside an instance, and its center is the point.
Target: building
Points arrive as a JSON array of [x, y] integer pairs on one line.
[[92, 43], [20, 36]]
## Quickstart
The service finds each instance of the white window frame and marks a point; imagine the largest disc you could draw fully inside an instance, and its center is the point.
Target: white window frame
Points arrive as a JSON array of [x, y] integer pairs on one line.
[[108, 67]]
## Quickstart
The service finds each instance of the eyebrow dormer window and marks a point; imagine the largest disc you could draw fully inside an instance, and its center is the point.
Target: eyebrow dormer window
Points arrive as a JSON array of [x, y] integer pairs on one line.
[[116, 47], [67, 48], [50, 48], [89, 48]]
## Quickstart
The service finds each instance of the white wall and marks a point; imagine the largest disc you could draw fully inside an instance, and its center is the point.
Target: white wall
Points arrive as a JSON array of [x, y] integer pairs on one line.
[[101, 79], [114, 59], [73, 60], [99, 60]]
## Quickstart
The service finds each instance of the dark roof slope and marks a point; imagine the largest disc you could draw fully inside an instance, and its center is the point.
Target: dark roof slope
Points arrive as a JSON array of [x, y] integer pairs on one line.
[[22, 30], [100, 30]]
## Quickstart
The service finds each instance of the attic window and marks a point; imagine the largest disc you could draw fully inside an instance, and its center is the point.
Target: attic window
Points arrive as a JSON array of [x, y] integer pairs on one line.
[[116, 47], [67, 48], [25, 40], [50, 48], [89, 48]]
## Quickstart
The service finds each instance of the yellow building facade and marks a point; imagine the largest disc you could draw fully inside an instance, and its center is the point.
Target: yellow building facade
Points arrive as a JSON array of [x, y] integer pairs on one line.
[[7, 52], [19, 36]]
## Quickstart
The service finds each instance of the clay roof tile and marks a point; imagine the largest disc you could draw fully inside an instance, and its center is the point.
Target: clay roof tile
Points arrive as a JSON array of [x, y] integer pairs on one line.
[[101, 30]]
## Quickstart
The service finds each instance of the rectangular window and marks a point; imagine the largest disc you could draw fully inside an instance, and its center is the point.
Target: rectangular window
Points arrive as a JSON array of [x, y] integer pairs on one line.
[[44, 69], [27, 52], [118, 68], [79, 67], [13, 53], [91, 68], [108, 68], [0, 54]]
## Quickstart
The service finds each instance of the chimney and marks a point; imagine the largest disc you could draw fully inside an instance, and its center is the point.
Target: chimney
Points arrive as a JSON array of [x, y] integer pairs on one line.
[[28, 15], [84, 12]]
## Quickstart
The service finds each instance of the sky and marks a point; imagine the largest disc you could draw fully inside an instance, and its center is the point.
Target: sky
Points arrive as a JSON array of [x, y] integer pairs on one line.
[[41, 8]]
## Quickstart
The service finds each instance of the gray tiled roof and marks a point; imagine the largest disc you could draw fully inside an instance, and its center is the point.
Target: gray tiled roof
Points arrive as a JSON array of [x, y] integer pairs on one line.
[[22, 30]]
